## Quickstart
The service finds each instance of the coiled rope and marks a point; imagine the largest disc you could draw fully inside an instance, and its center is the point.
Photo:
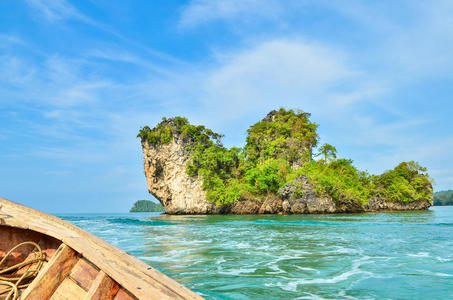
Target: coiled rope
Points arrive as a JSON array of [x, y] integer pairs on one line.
[[14, 281]]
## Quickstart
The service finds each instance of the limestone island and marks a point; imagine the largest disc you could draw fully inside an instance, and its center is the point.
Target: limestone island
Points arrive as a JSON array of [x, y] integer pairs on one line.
[[190, 172]]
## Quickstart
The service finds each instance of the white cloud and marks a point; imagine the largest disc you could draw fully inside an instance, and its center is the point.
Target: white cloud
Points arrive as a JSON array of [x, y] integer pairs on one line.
[[410, 39], [57, 10], [15, 71], [279, 72], [62, 10], [202, 11], [8, 40]]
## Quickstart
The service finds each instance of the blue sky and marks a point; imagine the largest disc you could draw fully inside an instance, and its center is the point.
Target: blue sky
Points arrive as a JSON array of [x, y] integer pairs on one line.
[[78, 79]]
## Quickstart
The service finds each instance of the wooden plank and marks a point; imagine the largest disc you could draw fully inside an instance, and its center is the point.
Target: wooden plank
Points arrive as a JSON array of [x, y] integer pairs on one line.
[[53, 273], [68, 290], [143, 281], [124, 295], [84, 273], [103, 288]]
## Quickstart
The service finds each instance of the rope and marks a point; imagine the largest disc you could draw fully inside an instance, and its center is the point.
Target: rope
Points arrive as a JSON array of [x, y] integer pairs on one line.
[[13, 281]]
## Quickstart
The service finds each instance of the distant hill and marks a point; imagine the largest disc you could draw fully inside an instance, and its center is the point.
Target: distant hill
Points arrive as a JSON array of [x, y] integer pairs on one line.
[[443, 198], [146, 206]]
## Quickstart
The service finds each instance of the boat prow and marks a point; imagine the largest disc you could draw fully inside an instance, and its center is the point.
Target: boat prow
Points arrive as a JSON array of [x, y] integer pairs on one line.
[[78, 264]]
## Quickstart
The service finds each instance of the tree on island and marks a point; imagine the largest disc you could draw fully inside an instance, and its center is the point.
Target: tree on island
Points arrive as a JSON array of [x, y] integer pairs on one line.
[[146, 206], [328, 151]]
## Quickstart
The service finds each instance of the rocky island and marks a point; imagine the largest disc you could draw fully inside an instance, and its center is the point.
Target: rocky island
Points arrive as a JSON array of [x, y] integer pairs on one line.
[[280, 170], [146, 206]]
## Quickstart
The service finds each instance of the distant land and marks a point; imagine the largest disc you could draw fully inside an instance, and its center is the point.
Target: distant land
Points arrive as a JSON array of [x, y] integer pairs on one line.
[[146, 206], [443, 198]]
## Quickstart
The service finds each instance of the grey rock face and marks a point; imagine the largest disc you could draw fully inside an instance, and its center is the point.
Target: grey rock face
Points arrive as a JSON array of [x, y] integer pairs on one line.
[[309, 202], [379, 204], [165, 171]]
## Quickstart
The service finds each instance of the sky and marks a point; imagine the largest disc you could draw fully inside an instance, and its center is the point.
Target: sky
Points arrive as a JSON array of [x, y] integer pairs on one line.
[[79, 78]]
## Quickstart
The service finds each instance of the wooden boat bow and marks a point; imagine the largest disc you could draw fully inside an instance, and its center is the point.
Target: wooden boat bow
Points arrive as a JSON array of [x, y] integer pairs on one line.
[[110, 273]]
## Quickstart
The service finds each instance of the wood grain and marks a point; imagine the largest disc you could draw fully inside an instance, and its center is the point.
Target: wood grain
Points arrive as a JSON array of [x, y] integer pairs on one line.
[[124, 295], [84, 273], [103, 288], [53, 273], [68, 290]]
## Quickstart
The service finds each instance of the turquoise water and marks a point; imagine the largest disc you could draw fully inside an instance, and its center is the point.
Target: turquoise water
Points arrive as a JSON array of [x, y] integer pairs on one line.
[[399, 255]]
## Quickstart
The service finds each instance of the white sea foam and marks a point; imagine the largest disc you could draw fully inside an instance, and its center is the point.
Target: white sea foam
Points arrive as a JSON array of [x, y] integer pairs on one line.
[[443, 274], [294, 283], [238, 271], [443, 259], [274, 266], [307, 269], [312, 297], [419, 254], [242, 245], [437, 274], [220, 260]]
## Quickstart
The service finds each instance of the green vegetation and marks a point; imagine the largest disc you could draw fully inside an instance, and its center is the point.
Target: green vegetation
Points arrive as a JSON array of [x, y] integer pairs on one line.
[[146, 206], [278, 149], [338, 179], [328, 151], [283, 134], [165, 130], [407, 182], [443, 198]]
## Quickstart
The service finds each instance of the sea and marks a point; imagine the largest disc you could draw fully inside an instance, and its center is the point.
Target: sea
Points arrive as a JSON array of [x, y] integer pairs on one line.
[[387, 255]]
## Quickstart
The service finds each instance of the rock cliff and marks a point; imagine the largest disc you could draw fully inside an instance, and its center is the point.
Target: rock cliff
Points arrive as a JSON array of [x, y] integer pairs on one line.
[[168, 181]]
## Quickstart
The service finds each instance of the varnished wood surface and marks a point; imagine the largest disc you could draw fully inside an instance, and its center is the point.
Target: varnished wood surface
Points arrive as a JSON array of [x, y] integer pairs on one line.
[[135, 277]]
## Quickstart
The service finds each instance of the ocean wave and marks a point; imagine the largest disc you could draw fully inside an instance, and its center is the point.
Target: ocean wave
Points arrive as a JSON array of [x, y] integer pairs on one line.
[[236, 272], [419, 254], [443, 259], [129, 221]]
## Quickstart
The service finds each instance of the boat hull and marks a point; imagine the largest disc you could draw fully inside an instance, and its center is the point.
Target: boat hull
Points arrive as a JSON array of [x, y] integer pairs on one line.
[[79, 265]]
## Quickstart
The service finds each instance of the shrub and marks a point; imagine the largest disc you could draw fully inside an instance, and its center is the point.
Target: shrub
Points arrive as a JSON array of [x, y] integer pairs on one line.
[[405, 183], [283, 134], [338, 179]]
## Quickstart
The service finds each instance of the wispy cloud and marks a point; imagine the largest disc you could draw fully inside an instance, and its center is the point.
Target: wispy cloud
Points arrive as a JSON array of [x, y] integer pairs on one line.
[[57, 10], [291, 71], [410, 39], [62, 10], [7, 40], [201, 11]]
